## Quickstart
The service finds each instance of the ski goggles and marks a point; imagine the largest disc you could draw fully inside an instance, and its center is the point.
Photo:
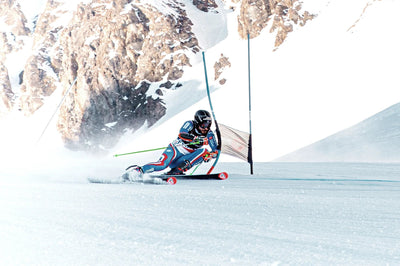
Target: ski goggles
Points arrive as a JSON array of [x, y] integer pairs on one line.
[[205, 124]]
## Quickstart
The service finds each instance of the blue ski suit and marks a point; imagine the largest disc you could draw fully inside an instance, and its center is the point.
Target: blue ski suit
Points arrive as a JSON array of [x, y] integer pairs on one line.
[[181, 150]]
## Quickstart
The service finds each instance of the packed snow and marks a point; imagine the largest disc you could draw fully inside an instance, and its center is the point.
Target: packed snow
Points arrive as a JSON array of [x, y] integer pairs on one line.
[[287, 214]]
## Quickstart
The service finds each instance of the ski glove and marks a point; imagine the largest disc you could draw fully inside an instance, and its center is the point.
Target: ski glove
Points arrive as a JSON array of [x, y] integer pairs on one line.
[[210, 155], [200, 140]]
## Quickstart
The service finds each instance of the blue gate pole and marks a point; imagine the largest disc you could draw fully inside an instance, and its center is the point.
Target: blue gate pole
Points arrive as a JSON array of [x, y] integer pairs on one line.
[[212, 111]]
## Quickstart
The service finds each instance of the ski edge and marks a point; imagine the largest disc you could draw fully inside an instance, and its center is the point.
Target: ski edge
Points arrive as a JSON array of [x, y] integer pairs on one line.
[[216, 176], [170, 180]]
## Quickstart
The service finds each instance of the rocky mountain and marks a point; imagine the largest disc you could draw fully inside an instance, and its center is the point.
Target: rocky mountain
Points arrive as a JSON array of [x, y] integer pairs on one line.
[[375, 139], [115, 60]]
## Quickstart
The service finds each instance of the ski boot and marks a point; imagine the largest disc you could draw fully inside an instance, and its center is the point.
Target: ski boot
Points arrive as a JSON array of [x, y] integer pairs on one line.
[[181, 169], [133, 173]]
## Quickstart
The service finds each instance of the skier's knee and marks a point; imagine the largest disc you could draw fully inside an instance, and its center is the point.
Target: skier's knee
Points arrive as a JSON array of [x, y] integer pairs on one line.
[[185, 165]]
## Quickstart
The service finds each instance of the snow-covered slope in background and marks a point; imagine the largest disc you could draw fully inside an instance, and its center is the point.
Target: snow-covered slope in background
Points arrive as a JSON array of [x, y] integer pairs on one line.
[[327, 76], [374, 140]]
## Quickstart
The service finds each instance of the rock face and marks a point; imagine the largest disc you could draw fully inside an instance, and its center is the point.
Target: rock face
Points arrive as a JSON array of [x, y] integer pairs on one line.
[[117, 54], [255, 16], [219, 67], [41, 69], [12, 29], [6, 94], [114, 60]]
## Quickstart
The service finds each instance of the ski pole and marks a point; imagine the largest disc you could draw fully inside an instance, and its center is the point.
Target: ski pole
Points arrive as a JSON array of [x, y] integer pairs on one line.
[[195, 169], [155, 149], [213, 155], [134, 152]]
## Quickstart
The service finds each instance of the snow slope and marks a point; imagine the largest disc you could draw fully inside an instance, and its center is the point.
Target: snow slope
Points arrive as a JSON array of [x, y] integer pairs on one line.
[[375, 139], [289, 214], [327, 76]]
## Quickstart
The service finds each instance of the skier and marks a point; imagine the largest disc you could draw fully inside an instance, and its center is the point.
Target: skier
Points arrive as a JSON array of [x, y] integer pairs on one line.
[[184, 152]]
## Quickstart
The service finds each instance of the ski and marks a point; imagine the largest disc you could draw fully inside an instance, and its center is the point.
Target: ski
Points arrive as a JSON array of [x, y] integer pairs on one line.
[[159, 179], [146, 179], [216, 176]]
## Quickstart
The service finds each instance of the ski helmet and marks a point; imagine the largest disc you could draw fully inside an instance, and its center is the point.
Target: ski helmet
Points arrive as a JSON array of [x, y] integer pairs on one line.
[[203, 119]]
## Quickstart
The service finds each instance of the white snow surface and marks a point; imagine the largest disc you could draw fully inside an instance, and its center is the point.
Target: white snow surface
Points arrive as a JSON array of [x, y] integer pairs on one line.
[[289, 214]]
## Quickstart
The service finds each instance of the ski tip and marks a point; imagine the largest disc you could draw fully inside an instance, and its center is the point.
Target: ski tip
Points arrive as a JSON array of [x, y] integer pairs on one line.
[[223, 175], [171, 180]]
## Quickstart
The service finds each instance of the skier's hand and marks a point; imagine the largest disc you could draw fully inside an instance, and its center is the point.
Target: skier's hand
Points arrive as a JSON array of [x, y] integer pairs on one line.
[[201, 140], [214, 154], [210, 155], [206, 157]]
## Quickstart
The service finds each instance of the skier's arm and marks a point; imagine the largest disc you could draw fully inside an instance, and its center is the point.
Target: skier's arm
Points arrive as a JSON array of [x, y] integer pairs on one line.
[[186, 137], [184, 134], [212, 141], [213, 145], [190, 138]]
